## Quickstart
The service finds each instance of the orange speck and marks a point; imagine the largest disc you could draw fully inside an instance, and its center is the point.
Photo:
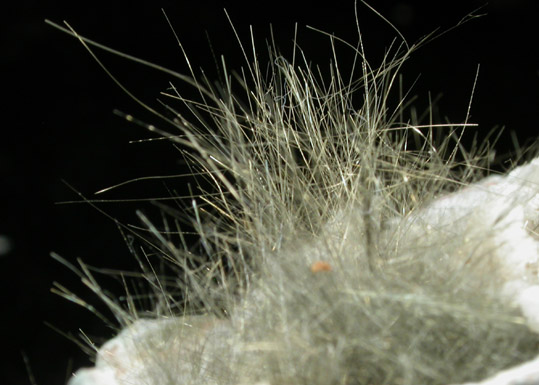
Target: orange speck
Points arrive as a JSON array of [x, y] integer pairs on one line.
[[319, 266]]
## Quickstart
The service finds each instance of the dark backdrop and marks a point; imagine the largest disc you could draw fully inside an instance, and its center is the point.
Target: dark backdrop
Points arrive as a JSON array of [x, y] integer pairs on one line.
[[58, 124]]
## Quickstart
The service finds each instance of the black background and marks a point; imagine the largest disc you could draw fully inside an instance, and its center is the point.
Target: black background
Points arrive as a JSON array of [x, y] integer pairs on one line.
[[58, 124]]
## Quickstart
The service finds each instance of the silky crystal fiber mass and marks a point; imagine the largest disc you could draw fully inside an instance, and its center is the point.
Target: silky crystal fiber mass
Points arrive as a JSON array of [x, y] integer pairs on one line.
[[339, 240]]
